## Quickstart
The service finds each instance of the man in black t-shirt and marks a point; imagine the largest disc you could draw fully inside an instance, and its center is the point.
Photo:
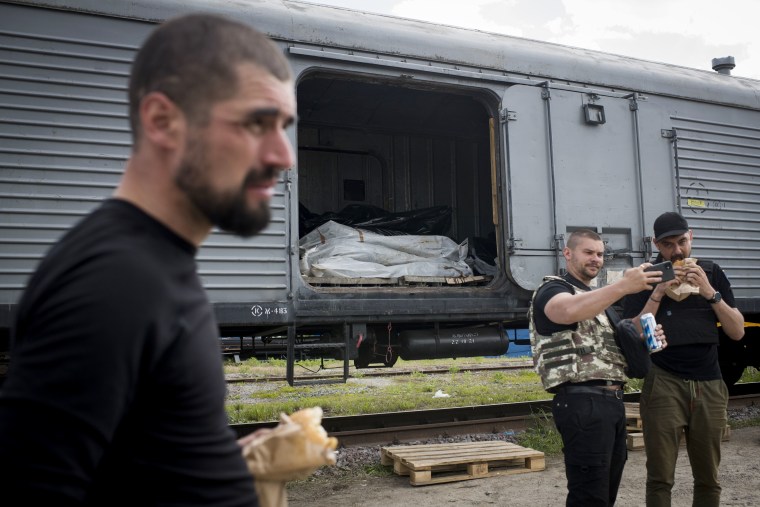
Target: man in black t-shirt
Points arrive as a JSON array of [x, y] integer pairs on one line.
[[684, 391], [115, 393], [576, 355]]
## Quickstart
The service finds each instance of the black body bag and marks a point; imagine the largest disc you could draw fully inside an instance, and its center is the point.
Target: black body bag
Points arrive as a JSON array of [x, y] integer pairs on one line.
[[631, 345]]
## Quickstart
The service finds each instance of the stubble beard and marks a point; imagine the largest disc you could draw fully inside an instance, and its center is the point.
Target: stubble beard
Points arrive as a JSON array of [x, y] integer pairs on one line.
[[227, 210], [588, 274], [584, 272]]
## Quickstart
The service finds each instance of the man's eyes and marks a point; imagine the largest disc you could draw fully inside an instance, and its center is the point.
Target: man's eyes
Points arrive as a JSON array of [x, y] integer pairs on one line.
[[256, 125]]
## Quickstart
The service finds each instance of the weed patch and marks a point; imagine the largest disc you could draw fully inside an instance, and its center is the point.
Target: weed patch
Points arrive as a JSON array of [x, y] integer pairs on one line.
[[541, 435]]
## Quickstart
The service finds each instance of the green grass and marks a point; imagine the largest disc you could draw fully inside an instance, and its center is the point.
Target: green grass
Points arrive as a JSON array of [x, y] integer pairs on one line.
[[541, 435], [406, 392], [412, 392], [378, 470], [745, 423], [258, 368], [750, 375]]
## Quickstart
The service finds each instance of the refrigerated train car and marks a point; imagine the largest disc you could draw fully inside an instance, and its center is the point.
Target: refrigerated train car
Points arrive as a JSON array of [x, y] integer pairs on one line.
[[485, 149]]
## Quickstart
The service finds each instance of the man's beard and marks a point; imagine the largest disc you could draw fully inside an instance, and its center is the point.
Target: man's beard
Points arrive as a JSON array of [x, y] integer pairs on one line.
[[586, 271], [227, 210], [582, 271]]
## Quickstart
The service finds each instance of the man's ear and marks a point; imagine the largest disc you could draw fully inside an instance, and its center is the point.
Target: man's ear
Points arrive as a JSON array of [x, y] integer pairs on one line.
[[161, 120]]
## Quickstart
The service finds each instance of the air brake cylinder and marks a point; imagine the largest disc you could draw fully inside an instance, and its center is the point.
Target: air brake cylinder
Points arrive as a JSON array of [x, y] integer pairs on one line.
[[453, 343]]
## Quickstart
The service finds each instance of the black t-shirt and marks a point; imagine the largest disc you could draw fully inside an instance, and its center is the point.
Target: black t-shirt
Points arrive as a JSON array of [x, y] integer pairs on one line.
[[115, 393], [698, 361], [544, 326]]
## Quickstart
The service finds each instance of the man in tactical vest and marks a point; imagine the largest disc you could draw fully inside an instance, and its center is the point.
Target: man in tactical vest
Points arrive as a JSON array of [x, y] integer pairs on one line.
[[574, 351], [684, 391]]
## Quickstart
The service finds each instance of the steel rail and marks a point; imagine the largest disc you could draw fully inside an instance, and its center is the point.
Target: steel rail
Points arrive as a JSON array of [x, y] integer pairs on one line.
[[382, 428], [386, 372]]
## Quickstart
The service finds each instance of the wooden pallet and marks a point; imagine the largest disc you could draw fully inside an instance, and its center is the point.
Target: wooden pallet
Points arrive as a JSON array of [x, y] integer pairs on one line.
[[437, 463], [408, 280], [445, 280], [632, 417], [338, 281], [635, 439]]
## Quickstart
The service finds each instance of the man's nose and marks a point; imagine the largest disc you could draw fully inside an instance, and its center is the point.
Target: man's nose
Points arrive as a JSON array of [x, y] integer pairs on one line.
[[277, 151]]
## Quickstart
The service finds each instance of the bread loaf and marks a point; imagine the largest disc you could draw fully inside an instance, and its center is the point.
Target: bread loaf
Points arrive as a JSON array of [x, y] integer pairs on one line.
[[310, 420]]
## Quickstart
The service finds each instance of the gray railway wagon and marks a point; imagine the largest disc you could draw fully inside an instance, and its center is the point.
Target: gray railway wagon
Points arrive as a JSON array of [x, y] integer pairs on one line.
[[508, 144]]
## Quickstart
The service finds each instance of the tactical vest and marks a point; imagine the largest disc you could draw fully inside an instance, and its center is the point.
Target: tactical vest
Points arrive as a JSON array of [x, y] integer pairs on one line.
[[588, 352], [692, 320]]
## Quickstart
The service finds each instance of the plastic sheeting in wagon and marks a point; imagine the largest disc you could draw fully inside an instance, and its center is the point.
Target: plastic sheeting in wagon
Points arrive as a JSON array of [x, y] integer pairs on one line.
[[335, 250]]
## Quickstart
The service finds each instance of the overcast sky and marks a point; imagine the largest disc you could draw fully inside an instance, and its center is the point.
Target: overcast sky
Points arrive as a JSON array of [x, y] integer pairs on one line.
[[682, 32]]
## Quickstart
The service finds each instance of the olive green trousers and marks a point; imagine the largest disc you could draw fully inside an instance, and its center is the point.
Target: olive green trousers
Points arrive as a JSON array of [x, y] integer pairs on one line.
[[673, 408]]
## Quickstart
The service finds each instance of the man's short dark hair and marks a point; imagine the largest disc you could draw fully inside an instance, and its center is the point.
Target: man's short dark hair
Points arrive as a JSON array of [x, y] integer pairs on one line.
[[194, 59], [575, 237]]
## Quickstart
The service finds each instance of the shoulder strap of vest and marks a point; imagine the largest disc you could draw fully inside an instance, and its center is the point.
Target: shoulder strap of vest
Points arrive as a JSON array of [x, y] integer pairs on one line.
[[552, 278], [548, 279], [613, 316]]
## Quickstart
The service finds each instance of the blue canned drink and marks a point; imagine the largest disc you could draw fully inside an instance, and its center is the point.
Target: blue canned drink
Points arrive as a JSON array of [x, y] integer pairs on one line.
[[648, 324]]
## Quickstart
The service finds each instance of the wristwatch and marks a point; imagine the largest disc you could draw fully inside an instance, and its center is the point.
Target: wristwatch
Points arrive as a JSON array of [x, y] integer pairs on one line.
[[715, 299]]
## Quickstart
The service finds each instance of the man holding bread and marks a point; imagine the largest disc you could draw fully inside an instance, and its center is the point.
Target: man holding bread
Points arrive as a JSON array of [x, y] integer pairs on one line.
[[684, 393], [115, 394]]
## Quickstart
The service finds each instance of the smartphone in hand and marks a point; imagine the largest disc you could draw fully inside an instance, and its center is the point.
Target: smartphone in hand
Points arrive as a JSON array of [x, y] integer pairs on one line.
[[666, 268]]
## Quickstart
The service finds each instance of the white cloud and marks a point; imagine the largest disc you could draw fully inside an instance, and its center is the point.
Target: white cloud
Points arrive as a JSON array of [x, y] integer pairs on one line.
[[681, 32]]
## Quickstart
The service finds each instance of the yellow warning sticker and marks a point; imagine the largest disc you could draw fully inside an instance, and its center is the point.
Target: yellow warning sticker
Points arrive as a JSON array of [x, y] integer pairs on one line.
[[696, 203]]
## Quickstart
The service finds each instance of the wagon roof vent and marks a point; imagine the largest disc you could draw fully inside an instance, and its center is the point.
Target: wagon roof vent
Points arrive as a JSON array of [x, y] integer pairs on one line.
[[723, 65]]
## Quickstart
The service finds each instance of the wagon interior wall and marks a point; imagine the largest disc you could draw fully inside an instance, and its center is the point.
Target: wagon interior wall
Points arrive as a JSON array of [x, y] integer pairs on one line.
[[394, 147]]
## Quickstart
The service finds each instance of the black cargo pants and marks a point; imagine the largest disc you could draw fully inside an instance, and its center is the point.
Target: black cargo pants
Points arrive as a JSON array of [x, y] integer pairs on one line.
[[591, 421]]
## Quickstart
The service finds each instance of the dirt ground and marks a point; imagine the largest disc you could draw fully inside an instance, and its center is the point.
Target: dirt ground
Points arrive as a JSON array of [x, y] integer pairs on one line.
[[740, 477]]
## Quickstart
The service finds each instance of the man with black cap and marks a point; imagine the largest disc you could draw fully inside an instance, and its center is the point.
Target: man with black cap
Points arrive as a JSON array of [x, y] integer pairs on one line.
[[684, 393]]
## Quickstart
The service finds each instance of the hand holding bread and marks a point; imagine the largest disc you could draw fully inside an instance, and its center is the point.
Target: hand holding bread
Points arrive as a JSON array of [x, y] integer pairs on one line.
[[293, 450], [681, 288]]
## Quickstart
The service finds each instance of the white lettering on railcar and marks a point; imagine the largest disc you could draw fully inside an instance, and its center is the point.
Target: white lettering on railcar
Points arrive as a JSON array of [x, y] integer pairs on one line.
[[463, 338], [266, 311]]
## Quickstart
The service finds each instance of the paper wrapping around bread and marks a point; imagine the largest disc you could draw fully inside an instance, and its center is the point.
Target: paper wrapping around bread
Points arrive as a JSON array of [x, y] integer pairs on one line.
[[682, 290], [271, 493], [296, 447]]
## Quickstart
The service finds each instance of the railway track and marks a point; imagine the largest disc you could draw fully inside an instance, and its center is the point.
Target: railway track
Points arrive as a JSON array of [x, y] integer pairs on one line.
[[387, 372], [372, 429]]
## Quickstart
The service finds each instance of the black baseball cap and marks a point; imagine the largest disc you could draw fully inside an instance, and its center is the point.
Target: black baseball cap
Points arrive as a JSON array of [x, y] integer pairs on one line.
[[670, 224]]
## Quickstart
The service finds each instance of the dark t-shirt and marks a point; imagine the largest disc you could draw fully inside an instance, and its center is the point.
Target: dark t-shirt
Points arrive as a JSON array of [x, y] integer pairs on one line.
[[544, 326], [115, 393], [698, 361]]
